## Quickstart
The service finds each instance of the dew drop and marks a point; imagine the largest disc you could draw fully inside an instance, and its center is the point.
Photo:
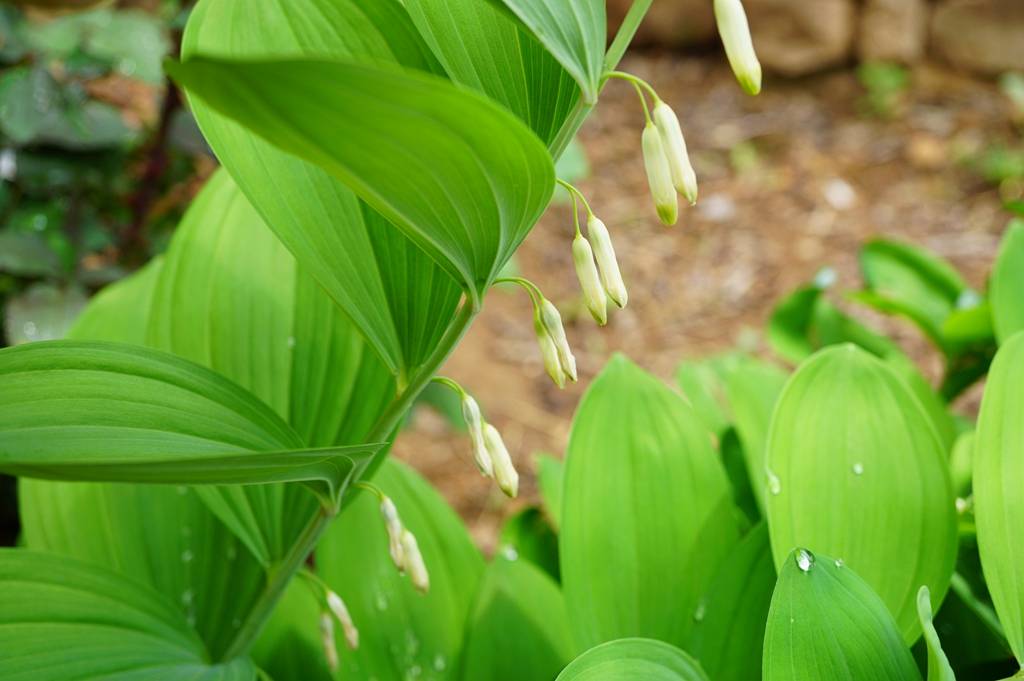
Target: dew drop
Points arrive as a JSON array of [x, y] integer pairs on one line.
[[440, 663], [187, 596], [291, 341], [187, 556], [962, 505], [858, 468], [698, 614], [508, 552], [804, 559], [382, 602], [774, 484], [415, 671], [839, 563]]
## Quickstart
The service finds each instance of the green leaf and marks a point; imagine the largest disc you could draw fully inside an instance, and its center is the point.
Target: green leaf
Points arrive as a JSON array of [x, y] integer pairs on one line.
[[1007, 294], [256, 318], [702, 384], [551, 480], [67, 620], [825, 622], [733, 613], [633, 658], [120, 312], [998, 476], [910, 281], [530, 536], [384, 133], [484, 48], [519, 627], [938, 665], [634, 562], [120, 413], [403, 629], [159, 535], [573, 31], [752, 388], [404, 303], [848, 439]]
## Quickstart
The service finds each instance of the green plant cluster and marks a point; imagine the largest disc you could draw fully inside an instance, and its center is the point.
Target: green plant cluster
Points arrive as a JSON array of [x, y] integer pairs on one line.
[[205, 490]]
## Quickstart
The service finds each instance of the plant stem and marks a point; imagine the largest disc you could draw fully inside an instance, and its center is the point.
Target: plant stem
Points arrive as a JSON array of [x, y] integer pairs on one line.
[[611, 59], [282, 572]]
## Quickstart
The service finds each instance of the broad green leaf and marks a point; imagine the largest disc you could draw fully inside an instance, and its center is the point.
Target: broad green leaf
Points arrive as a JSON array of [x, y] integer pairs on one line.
[[162, 536], [551, 480], [290, 647], [403, 303], [752, 388], [1007, 294], [825, 622], [907, 280], [734, 460], [647, 511], [519, 627], [402, 629], [463, 178], [970, 325], [938, 665], [256, 318], [998, 476], [120, 413], [159, 535], [849, 440], [806, 321], [529, 535], [702, 385], [731, 616], [573, 31], [68, 620], [482, 47], [120, 312], [633, 658]]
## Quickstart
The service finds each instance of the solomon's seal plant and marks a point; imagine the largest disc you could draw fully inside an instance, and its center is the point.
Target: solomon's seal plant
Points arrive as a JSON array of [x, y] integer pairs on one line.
[[206, 492]]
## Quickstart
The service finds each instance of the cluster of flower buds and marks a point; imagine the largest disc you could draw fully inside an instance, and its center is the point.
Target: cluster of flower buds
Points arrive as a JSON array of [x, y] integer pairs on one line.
[[559, 361], [489, 451], [403, 547], [739, 47]]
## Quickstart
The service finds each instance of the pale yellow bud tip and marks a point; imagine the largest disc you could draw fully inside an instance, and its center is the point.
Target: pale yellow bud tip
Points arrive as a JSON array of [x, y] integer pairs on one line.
[[504, 472], [659, 176], [414, 564], [475, 424], [590, 281], [552, 321], [739, 46]]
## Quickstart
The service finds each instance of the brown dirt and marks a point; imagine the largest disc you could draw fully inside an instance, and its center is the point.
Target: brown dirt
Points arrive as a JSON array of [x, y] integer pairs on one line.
[[765, 224]]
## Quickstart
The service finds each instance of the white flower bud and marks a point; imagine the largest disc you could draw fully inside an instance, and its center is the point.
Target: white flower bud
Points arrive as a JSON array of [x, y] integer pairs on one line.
[[337, 607], [394, 526], [659, 176], [607, 264], [327, 639], [475, 424], [549, 353], [552, 321], [504, 472], [414, 564], [739, 47], [683, 176], [590, 280]]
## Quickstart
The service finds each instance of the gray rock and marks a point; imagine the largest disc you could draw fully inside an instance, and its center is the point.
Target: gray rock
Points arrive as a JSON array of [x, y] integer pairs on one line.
[[797, 38], [893, 30]]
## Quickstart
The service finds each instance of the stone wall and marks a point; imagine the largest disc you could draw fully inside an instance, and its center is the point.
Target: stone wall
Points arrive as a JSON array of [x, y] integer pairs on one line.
[[797, 37]]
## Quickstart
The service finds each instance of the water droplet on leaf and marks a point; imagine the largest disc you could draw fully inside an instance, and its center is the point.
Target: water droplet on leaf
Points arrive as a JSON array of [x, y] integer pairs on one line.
[[804, 559]]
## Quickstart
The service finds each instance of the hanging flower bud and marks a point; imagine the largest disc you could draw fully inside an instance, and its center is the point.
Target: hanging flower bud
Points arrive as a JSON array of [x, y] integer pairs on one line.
[[549, 353], [659, 176], [607, 264], [683, 176], [394, 527], [337, 607], [590, 281], [414, 564], [739, 47], [504, 472], [475, 424], [552, 321], [327, 640]]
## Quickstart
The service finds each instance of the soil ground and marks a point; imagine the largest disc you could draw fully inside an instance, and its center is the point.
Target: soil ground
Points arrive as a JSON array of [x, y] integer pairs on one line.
[[791, 181]]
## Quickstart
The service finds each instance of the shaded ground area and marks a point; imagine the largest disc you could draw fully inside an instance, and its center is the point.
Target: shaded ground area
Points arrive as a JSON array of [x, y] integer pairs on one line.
[[791, 181]]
